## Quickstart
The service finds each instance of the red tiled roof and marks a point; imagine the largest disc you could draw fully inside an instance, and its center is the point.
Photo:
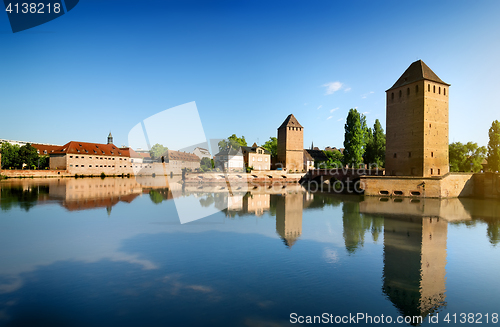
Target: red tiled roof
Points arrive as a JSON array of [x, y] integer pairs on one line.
[[131, 152], [45, 148], [92, 149]]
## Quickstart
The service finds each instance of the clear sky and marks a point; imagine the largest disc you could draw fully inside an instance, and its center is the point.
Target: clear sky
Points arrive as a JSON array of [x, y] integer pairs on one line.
[[108, 64]]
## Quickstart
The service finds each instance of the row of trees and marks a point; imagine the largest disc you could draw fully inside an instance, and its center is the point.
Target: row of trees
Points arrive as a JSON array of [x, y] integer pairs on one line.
[[363, 145], [19, 157], [470, 156]]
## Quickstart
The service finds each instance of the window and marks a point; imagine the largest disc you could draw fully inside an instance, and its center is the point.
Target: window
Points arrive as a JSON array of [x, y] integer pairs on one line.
[[439, 90], [408, 91], [434, 89], [71, 165], [90, 166], [439, 171], [432, 171], [395, 155], [76, 165], [71, 156], [76, 157], [409, 154], [428, 87], [400, 93], [432, 154], [392, 96], [430, 125], [444, 91], [416, 88], [83, 166]]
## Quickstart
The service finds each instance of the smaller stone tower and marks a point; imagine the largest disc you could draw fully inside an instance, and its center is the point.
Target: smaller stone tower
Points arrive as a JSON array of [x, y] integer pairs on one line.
[[291, 144], [110, 138]]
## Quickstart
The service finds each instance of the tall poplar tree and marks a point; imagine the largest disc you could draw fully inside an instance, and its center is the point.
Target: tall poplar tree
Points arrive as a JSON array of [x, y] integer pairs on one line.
[[375, 147], [354, 138], [494, 147]]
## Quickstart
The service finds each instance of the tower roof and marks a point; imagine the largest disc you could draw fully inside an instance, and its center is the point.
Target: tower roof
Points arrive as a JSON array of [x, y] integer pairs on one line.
[[290, 121], [416, 72]]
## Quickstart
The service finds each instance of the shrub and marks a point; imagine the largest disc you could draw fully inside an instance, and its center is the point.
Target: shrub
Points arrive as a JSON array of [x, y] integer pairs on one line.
[[103, 175]]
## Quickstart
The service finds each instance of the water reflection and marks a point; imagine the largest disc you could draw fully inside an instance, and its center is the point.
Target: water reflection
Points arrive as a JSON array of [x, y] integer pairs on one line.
[[414, 276], [261, 230]]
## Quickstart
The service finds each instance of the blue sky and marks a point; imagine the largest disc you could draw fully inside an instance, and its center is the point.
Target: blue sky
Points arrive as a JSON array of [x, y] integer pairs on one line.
[[107, 65]]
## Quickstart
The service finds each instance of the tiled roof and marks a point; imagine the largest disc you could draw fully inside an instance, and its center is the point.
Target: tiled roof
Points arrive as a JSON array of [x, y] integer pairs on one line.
[[202, 150], [317, 155], [290, 121], [253, 149], [308, 156], [145, 154], [132, 153], [45, 149], [92, 149], [416, 72], [183, 156]]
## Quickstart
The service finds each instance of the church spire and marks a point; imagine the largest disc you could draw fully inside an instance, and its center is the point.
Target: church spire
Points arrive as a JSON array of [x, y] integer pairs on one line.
[[110, 138]]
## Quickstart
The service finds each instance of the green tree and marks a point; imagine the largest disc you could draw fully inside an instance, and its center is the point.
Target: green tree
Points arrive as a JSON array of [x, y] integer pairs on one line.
[[464, 157], [334, 160], [375, 146], [205, 164], [494, 147], [10, 156], [232, 144], [272, 146], [354, 138], [28, 155], [157, 151]]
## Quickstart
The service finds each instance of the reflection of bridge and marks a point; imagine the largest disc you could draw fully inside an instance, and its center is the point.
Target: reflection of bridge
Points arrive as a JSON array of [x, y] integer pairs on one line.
[[341, 174]]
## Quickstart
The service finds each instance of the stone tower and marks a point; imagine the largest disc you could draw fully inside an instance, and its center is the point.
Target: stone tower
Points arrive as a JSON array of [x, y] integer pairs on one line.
[[291, 144], [417, 124], [110, 138]]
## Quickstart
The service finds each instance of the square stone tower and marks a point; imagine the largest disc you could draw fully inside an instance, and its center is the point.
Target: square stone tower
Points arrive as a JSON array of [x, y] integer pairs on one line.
[[291, 144], [417, 124]]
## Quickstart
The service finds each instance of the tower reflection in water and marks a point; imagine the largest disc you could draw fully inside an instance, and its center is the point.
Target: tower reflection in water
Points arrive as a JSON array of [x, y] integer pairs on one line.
[[415, 237], [289, 208], [414, 264]]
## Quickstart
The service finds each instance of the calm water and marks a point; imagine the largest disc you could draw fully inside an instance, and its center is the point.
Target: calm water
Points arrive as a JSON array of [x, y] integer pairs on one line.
[[113, 253]]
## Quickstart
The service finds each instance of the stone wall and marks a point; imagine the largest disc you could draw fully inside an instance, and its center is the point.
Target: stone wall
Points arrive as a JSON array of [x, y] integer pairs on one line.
[[487, 185], [449, 186], [33, 173]]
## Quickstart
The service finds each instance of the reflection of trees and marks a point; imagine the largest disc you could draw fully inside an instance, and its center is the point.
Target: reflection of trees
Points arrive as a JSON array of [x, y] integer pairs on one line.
[[493, 231], [484, 211], [155, 197], [17, 196], [356, 224], [207, 201]]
